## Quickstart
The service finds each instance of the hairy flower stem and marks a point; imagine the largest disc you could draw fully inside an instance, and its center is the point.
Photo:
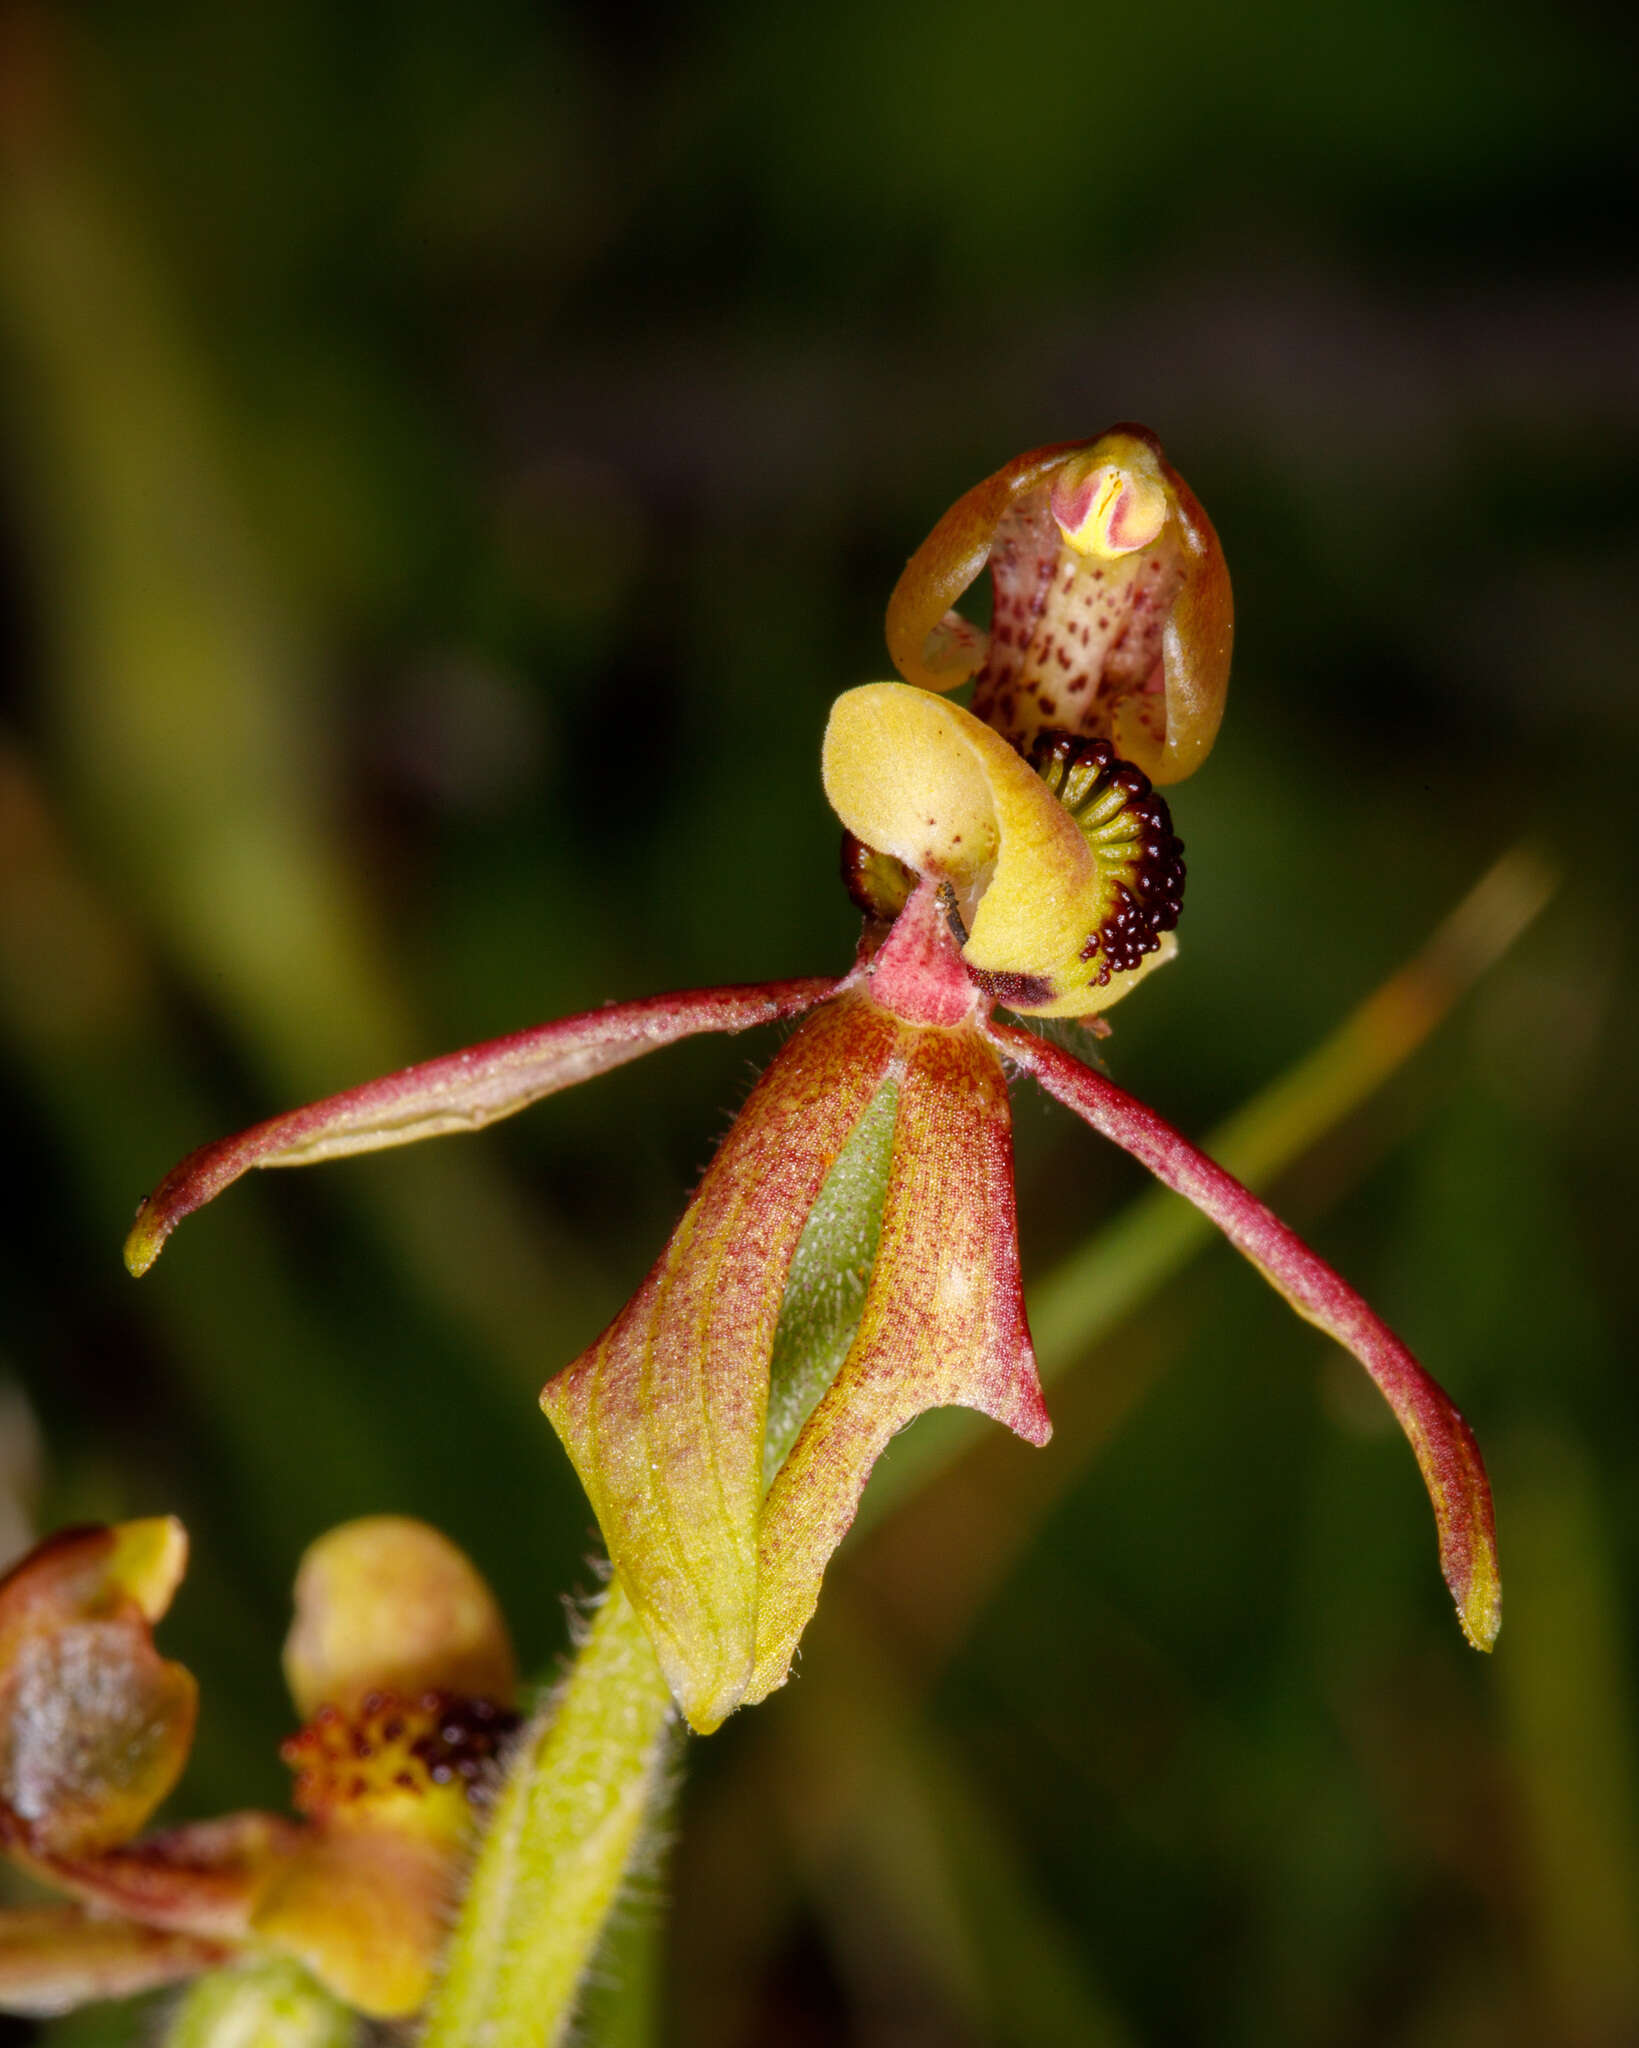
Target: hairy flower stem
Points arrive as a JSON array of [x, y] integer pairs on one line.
[[566, 1827]]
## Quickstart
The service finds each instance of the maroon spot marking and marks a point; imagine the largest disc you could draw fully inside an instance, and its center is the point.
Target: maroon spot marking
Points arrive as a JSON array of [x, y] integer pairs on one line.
[[1145, 873], [1018, 991]]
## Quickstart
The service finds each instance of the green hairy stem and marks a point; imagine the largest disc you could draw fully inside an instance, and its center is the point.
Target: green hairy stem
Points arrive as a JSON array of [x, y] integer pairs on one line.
[[566, 1827]]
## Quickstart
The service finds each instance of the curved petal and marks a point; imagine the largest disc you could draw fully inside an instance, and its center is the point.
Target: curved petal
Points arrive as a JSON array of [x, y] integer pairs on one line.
[[95, 1725], [943, 1324], [1111, 615], [1446, 1452], [462, 1091], [1196, 644], [947, 562], [927, 782], [664, 1415], [202, 1879]]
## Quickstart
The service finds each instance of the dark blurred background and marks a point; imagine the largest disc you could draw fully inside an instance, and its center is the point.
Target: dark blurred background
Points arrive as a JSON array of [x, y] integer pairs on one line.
[[452, 457]]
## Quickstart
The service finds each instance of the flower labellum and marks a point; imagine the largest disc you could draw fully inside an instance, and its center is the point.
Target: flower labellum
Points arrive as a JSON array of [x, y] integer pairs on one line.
[[1067, 880]]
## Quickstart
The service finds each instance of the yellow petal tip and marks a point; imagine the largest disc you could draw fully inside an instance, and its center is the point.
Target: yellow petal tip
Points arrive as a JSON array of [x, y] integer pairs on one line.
[[144, 1244], [148, 1561]]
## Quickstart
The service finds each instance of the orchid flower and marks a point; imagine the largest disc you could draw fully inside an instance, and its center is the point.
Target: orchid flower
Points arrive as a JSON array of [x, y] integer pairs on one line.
[[399, 1662], [1016, 855]]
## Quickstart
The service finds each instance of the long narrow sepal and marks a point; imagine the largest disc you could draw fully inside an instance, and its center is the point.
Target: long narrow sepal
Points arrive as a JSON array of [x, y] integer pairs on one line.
[[664, 1415], [943, 1325], [462, 1091], [1444, 1445]]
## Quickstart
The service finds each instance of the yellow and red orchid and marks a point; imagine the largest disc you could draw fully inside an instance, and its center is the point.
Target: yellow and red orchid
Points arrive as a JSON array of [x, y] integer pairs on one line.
[[1015, 854], [400, 1664]]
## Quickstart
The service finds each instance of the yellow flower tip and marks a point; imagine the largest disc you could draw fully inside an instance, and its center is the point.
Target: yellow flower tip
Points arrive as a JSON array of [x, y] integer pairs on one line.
[[910, 775], [1479, 1609], [1112, 500], [145, 1243], [387, 1604], [148, 1562]]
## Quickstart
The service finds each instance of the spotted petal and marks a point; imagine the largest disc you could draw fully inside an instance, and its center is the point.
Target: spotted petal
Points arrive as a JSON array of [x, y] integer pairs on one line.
[[1111, 616]]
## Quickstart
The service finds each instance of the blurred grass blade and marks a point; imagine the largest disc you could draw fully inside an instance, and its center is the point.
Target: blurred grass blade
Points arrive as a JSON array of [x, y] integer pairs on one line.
[[1570, 1713], [926, 1899], [187, 700], [581, 1790]]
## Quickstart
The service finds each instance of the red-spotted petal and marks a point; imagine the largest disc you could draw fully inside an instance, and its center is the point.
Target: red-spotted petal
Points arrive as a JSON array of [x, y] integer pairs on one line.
[[1111, 614]]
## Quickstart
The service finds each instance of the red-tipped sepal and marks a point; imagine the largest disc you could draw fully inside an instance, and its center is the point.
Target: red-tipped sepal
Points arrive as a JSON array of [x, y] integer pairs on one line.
[[1444, 1445], [462, 1091]]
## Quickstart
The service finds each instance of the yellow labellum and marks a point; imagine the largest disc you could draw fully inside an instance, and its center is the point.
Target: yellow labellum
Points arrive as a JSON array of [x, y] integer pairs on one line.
[[918, 777]]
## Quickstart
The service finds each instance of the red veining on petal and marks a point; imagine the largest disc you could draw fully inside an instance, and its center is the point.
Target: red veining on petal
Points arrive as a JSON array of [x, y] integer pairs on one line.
[[664, 1415], [943, 1324]]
